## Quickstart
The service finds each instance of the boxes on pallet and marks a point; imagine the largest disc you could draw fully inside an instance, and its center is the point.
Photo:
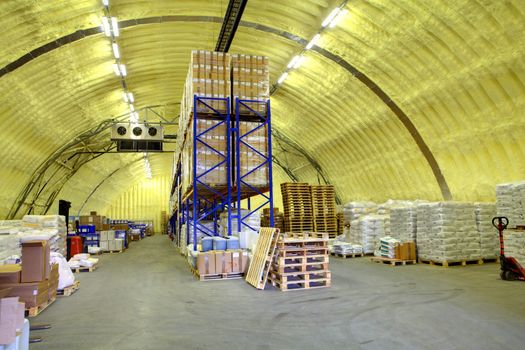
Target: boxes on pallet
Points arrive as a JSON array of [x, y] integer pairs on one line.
[[250, 80], [252, 152]]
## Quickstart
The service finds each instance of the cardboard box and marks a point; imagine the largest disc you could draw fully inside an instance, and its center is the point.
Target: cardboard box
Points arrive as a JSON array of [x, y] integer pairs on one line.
[[206, 263], [236, 261], [32, 294], [103, 235], [406, 251], [10, 273], [244, 262], [35, 261], [119, 244], [103, 246], [9, 319], [223, 261]]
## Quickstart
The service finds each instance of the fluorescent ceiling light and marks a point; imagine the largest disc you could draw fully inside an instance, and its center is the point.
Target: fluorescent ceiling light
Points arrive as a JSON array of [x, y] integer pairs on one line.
[[299, 62], [294, 61], [338, 18], [105, 2], [131, 98], [134, 117], [282, 78], [125, 97], [131, 107], [120, 70], [105, 26], [114, 26], [116, 51], [312, 42], [331, 17]]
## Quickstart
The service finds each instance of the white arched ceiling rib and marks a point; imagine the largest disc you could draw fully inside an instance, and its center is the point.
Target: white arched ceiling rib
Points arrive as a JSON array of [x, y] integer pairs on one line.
[[457, 69]]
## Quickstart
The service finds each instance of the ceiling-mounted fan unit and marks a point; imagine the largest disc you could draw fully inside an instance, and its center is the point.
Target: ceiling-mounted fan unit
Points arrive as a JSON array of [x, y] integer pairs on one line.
[[137, 137]]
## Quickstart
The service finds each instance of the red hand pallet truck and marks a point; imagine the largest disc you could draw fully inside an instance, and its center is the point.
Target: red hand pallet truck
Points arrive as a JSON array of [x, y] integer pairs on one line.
[[511, 270]]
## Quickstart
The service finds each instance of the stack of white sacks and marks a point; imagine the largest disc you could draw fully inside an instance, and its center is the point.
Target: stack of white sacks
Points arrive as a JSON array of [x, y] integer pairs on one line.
[[488, 234], [10, 249], [510, 202], [447, 232], [354, 210], [52, 226], [367, 230], [403, 222], [340, 246], [515, 245], [387, 247]]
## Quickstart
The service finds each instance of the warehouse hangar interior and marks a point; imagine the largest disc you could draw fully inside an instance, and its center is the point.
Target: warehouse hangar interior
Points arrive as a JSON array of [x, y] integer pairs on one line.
[[256, 174]]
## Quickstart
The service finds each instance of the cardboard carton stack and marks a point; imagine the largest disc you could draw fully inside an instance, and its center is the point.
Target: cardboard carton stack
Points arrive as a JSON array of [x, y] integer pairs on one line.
[[250, 80], [217, 262], [35, 281], [99, 221], [53, 226], [109, 243], [253, 150]]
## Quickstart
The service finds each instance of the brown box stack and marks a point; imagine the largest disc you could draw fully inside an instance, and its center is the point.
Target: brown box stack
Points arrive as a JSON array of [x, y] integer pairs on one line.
[[250, 160], [250, 81], [297, 202], [324, 210], [301, 261], [94, 219], [217, 262]]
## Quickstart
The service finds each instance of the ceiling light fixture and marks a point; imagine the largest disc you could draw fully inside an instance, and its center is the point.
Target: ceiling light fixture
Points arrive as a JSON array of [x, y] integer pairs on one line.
[[105, 2], [314, 41], [133, 117], [294, 61], [331, 17], [299, 62], [114, 26], [131, 107], [105, 26], [338, 18], [131, 98], [282, 78], [120, 69], [116, 51]]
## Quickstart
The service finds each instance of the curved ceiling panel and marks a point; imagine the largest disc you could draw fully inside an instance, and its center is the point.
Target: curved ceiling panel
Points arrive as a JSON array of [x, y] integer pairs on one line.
[[456, 69]]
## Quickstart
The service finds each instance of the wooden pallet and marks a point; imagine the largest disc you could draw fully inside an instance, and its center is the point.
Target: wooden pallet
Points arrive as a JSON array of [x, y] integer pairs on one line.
[[215, 277], [301, 267], [451, 263], [302, 236], [114, 251], [301, 252], [84, 269], [68, 291], [490, 260], [349, 255], [261, 261], [36, 310], [392, 262], [300, 280]]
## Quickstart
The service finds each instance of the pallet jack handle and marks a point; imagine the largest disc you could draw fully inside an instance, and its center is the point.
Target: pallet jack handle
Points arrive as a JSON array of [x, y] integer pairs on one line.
[[502, 223]]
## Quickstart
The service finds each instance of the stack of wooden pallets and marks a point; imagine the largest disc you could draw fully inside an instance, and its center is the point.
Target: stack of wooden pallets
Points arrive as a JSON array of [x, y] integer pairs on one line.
[[301, 261], [324, 210], [340, 223], [297, 201]]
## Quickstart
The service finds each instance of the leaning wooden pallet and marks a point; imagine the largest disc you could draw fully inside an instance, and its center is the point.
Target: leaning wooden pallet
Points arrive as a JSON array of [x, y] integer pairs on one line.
[[262, 258]]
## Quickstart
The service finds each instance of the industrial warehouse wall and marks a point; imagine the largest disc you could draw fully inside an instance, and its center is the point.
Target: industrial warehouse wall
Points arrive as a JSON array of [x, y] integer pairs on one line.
[[143, 201]]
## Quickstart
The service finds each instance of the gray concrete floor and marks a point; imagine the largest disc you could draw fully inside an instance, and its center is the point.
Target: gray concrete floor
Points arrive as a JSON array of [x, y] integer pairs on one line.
[[146, 298]]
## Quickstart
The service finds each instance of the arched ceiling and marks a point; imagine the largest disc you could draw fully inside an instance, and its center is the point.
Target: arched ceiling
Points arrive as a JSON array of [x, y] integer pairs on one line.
[[455, 69]]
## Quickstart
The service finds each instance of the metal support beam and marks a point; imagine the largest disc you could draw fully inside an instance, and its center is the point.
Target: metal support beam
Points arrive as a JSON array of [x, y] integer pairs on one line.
[[231, 21]]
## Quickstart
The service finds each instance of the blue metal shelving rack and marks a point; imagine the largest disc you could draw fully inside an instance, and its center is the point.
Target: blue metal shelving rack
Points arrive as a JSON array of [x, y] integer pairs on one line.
[[204, 202], [251, 112]]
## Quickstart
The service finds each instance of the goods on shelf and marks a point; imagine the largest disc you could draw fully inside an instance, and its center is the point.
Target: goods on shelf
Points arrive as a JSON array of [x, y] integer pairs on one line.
[[488, 234], [278, 219], [250, 79], [252, 152], [510, 202]]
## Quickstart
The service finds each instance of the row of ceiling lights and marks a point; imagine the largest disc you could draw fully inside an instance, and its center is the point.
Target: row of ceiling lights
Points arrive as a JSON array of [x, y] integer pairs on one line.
[[330, 22], [111, 30]]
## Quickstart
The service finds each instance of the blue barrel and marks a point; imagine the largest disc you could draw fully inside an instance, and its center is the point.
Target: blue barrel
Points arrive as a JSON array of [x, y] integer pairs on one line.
[[207, 243], [219, 243], [232, 243]]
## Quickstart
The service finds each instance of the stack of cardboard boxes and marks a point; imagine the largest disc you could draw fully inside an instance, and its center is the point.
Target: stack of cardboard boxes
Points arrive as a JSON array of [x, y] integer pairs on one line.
[[35, 281], [220, 75], [109, 243], [216, 262], [100, 222]]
